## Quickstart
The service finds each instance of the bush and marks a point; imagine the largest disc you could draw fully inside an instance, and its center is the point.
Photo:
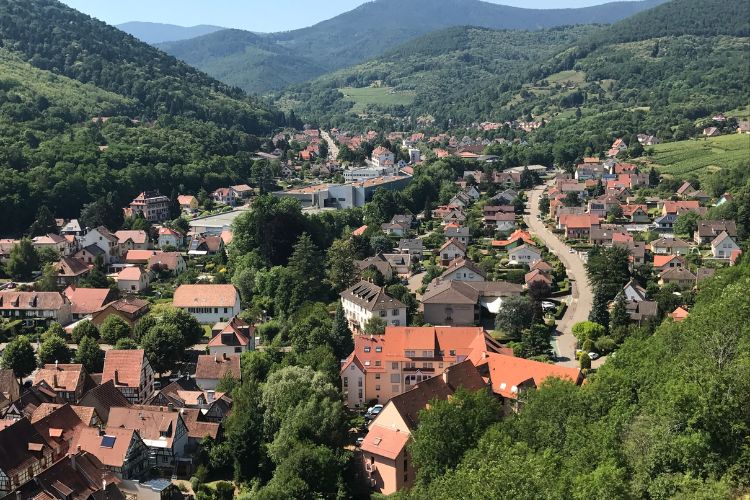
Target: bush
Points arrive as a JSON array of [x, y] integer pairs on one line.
[[605, 344], [588, 330]]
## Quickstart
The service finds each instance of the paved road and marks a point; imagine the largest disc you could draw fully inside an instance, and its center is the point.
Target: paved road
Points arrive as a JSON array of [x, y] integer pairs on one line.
[[333, 149], [580, 305]]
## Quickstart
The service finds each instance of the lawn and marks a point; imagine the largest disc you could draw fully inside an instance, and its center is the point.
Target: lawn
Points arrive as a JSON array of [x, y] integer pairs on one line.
[[569, 76], [701, 157], [378, 96]]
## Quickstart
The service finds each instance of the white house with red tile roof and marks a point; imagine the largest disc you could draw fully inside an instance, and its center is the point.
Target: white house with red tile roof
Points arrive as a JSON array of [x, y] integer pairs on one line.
[[170, 237], [450, 251], [524, 254], [133, 279], [86, 301], [723, 246], [233, 337], [208, 304]]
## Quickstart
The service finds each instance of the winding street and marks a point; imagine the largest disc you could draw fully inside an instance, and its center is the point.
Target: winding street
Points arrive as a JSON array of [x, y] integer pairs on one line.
[[582, 296]]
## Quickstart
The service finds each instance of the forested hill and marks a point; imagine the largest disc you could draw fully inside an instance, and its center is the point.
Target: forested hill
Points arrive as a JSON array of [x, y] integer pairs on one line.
[[242, 59], [434, 70], [273, 61], [90, 114], [54, 37], [634, 74]]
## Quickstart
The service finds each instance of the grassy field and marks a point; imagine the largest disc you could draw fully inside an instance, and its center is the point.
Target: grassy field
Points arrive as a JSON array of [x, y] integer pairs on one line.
[[378, 96], [569, 76], [702, 156]]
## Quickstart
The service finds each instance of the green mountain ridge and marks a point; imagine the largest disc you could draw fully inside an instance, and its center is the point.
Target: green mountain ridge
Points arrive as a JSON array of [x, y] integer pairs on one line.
[[627, 68], [366, 32], [169, 126]]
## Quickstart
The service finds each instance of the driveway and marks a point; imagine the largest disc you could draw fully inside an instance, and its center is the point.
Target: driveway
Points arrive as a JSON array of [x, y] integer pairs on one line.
[[582, 296]]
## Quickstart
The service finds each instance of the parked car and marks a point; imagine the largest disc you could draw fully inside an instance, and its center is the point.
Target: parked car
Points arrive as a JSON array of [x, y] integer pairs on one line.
[[373, 411], [593, 355], [359, 441], [570, 250], [547, 305]]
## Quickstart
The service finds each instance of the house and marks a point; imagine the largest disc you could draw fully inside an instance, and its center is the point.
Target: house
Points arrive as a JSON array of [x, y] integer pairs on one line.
[[578, 227], [536, 276], [162, 430], [24, 454], [212, 368], [723, 246], [450, 251], [170, 237], [606, 235], [398, 226], [648, 140], [139, 257], [54, 241], [131, 373], [77, 476], [90, 255], [457, 232], [120, 450], [463, 269], [413, 247], [670, 246], [681, 207], [167, 261], [456, 215], [505, 198], [133, 279], [382, 157], [708, 230], [70, 271], [743, 127], [704, 273], [664, 262], [208, 304], [232, 337], [634, 292], [151, 205], [29, 400], [399, 262], [366, 300], [130, 309], [642, 310], [225, 196], [510, 377], [636, 214], [517, 238], [242, 191], [205, 245], [103, 398], [378, 263], [185, 393], [132, 240], [68, 381], [502, 222], [685, 190], [71, 228], [35, 307], [188, 203], [680, 276], [524, 254], [106, 242], [665, 223], [386, 460], [679, 314], [711, 132], [86, 414], [460, 303]]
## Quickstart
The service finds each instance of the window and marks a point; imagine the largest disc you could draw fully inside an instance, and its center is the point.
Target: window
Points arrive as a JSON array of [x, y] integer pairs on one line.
[[409, 354], [426, 365], [359, 382], [360, 394], [378, 349], [383, 314], [394, 312], [238, 349], [410, 365], [452, 352], [406, 464], [377, 363], [396, 322], [226, 310], [367, 348], [427, 354], [377, 376], [377, 387], [352, 368], [394, 366], [216, 310], [395, 378]]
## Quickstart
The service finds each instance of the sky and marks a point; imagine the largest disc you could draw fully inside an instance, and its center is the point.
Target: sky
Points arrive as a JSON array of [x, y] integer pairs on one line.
[[252, 15]]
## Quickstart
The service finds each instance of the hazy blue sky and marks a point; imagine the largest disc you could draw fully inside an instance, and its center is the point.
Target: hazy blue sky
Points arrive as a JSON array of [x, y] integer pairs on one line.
[[254, 15]]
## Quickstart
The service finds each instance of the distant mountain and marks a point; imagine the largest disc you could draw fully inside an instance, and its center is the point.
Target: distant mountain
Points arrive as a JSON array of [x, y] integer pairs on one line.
[[158, 33], [242, 59], [366, 32]]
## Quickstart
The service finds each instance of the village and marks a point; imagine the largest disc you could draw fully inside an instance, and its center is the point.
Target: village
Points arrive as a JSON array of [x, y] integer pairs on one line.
[[497, 292]]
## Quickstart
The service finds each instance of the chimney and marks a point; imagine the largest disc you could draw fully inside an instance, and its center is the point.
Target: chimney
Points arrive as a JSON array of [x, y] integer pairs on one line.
[[445, 376], [54, 381], [73, 462], [117, 377], [56, 364]]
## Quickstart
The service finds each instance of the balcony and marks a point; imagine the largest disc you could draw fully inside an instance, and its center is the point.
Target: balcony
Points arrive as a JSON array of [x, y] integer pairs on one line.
[[419, 369]]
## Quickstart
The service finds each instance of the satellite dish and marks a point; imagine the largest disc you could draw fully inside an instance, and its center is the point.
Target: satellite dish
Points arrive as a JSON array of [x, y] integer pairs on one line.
[[514, 390]]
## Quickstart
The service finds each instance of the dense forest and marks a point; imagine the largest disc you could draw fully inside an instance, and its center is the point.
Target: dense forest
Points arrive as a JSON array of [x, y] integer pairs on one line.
[[87, 110], [666, 418]]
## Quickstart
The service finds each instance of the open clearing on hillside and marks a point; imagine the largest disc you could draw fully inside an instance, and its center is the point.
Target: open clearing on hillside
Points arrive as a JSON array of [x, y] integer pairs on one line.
[[378, 96], [569, 76], [701, 156]]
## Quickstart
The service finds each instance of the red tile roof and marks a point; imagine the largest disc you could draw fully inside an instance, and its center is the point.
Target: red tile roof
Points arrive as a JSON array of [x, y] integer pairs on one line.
[[215, 367], [507, 372], [205, 296], [126, 364], [384, 442], [87, 300], [61, 377]]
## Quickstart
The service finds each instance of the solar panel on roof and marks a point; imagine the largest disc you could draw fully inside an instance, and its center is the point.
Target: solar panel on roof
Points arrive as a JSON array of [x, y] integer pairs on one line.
[[108, 441]]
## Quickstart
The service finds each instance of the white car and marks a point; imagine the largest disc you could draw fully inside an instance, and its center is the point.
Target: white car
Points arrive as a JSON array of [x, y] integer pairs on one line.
[[593, 356], [548, 305], [570, 250]]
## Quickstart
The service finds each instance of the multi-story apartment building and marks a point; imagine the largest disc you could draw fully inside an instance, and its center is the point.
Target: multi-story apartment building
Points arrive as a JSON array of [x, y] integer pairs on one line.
[[384, 366], [366, 300], [152, 205]]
